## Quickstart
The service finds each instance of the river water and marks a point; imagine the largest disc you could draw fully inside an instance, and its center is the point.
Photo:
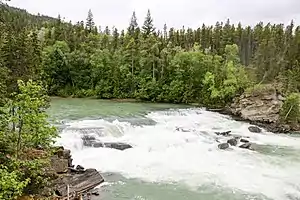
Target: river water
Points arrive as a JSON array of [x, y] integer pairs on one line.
[[165, 163]]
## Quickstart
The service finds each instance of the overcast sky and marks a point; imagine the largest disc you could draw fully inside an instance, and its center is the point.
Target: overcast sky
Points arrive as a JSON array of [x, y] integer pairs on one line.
[[175, 13]]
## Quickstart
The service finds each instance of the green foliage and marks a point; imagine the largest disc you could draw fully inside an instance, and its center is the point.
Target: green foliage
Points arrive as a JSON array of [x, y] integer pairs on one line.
[[290, 112], [30, 117], [260, 89], [24, 127], [209, 65], [11, 185], [226, 81]]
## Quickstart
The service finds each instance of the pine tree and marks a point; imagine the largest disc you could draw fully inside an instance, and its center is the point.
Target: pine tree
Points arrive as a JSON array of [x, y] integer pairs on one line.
[[148, 27], [165, 32], [90, 21], [133, 25]]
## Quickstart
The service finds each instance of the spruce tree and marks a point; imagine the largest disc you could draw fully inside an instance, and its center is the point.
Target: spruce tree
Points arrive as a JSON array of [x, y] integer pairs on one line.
[[148, 27], [133, 25], [90, 21]]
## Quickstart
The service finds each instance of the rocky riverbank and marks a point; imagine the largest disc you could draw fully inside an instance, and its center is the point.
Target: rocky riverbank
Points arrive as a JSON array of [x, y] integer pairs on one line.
[[68, 180], [261, 108]]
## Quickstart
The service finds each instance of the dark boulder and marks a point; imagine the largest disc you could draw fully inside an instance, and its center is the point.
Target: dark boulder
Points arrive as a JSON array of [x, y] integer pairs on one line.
[[80, 168], [112, 145], [254, 129], [244, 140], [223, 146], [118, 146], [226, 134], [88, 143], [232, 142], [98, 145]]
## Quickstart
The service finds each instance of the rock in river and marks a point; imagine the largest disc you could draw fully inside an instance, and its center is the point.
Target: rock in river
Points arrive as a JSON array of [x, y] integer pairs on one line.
[[223, 146], [232, 142], [254, 129], [246, 146], [112, 145], [244, 140], [227, 133], [119, 146]]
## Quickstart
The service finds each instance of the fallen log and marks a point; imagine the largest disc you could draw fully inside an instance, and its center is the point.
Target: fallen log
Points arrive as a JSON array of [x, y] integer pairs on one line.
[[78, 184]]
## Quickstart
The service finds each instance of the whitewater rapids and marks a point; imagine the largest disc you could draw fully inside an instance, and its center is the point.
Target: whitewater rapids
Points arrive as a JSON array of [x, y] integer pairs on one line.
[[163, 154]]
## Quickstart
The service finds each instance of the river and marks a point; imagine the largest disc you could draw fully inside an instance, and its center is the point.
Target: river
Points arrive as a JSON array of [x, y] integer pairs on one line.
[[165, 163]]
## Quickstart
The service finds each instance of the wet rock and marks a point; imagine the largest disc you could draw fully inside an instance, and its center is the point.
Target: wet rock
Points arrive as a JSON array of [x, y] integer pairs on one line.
[[79, 183], [223, 146], [95, 192], [70, 161], [244, 140], [118, 146], [226, 134], [254, 129], [246, 146], [98, 145], [80, 168], [232, 142], [88, 138]]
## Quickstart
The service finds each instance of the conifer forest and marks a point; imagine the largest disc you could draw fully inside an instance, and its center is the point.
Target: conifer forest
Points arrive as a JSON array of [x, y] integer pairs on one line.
[[209, 65]]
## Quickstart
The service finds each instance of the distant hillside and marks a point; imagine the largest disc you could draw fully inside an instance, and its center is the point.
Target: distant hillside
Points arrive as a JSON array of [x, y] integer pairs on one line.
[[19, 18]]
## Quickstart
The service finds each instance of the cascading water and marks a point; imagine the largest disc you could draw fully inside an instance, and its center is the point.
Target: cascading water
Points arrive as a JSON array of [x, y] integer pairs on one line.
[[179, 151]]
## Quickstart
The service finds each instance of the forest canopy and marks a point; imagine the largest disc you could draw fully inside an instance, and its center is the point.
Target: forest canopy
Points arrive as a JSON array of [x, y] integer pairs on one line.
[[208, 65]]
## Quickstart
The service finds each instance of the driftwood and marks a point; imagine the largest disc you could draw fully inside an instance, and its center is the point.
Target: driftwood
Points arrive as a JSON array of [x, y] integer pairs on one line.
[[78, 183]]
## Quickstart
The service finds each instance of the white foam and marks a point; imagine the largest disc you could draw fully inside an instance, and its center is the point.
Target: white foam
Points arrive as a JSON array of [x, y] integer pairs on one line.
[[163, 154]]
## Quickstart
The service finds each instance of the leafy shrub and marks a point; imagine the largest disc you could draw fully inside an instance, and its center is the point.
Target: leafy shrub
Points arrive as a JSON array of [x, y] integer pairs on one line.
[[11, 185], [290, 111]]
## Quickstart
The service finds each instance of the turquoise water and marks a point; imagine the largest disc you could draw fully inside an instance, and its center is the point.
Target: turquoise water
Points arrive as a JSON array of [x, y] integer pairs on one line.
[[165, 163]]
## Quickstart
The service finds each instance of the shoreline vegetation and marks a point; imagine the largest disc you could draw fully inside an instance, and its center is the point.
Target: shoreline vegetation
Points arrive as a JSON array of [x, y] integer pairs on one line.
[[251, 71]]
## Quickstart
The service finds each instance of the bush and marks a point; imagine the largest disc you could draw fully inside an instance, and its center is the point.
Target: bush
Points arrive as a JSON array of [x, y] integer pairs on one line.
[[11, 187], [24, 127], [290, 111], [260, 89]]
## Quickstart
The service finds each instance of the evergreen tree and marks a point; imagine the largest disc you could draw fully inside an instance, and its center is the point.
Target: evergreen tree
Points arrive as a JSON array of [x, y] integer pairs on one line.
[[90, 24], [148, 27], [133, 25]]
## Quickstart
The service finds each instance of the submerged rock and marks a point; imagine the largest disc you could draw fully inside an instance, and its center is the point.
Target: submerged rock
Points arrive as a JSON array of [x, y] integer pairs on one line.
[[226, 134], [254, 129], [246, 146], [112, 145], [223, 146], [118, 146], [244, 140], [98, 145], [232, 142]]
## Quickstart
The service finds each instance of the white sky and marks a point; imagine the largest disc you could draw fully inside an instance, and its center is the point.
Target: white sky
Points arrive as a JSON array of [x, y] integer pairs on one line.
[[175, 13]]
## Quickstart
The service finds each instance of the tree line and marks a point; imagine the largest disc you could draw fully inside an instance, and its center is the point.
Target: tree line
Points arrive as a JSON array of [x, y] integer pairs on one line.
[[207, 65]]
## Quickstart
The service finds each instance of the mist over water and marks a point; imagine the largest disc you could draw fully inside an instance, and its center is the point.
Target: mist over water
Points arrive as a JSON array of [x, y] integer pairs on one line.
[[165, 163]]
